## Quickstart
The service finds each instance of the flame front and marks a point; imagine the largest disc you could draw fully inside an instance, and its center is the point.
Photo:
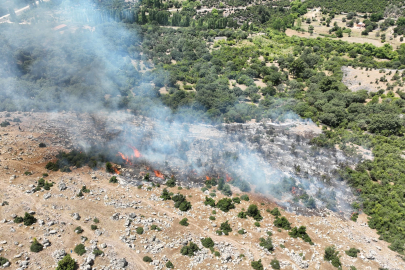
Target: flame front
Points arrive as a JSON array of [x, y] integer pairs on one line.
[[158, 174], [208, 178], [137, 154], [116, 170], [228, 178], [124, 157]]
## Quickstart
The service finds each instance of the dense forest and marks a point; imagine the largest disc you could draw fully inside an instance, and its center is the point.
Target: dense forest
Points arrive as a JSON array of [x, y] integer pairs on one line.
[[208, 66]]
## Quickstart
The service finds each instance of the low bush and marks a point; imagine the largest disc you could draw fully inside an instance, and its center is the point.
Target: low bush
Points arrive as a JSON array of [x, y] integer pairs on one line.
[[189, 250], [257, 265], [147, 259], [267, 243], [184, 222], [36, 246], [352, 252], [139, 230], [169, 264], [80, 249], [67, 263], [275, 264], [171, 182], [98, 252], [207, 242], [282, 223], [332, 256], [244, 197], [236, 200], [225, 204], [212, 218], [93, 227], [275, 212], [226, 228], [113, 180], [78, 230], [209, 201]]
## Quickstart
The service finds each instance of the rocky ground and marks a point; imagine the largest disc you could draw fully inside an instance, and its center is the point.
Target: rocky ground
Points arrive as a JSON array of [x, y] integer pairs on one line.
[[121, 208]]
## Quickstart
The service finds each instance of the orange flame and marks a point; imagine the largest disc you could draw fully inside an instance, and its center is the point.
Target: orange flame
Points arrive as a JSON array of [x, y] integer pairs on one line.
[[208, 178], [228, 178], [158, 174], [137, 154], [116, 170], [293, 191], [127, 161]]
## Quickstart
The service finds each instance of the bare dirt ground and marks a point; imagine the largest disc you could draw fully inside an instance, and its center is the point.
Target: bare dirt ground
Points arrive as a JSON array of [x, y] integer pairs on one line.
[[355, 37], [133, 207], [371, 80]]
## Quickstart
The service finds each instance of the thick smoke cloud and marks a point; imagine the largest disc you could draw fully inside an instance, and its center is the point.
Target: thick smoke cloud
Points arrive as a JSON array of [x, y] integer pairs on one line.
[[87, 68]]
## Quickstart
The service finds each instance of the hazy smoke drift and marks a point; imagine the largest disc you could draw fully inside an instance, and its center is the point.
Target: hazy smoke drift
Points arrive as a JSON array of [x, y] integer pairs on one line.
[[81, 69]]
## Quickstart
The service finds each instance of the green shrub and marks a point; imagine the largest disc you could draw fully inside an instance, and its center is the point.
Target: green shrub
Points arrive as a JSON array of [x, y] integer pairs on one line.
[[204, 189], [267, 243], [226, 190], [85, 190], [67, 263], [301, 233], [225, 204], [217, 254], [147, 259], [80, 249], [42, 145], [29, 219], [113, 180], [80, 194], [257, 265], [78, 230], [209, 201], [331, 255], [244, 197], [45, 175], [275, 212], [242, 231], [169, 264], [213, 194], [36, 246], [179, 188], [18, 219], [269, 233], [93, 227], [171, 182], [352, 252], [257, 224], [236, 200], [275, 264], [184, 222], [254, 212], [282, 223], [189, 250], [96, 220], [98, 252], [5, 124], [207, 242], [242, 214], [226, 228], [212, 218], [28, 173], [165, 195], [354, 217], [3, 261], [214, 212], [139, 230], [52, 166], [109, 168]]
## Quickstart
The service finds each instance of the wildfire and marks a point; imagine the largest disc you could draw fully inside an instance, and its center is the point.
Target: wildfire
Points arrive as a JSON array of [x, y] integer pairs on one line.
[[228, 178], [158, 174], [124, 157], [293, 191], [136, 152], [208, 178], [116, 170]]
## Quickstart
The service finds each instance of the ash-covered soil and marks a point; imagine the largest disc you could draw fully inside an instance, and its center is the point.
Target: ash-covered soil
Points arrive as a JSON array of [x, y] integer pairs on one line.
[[121, 208]]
